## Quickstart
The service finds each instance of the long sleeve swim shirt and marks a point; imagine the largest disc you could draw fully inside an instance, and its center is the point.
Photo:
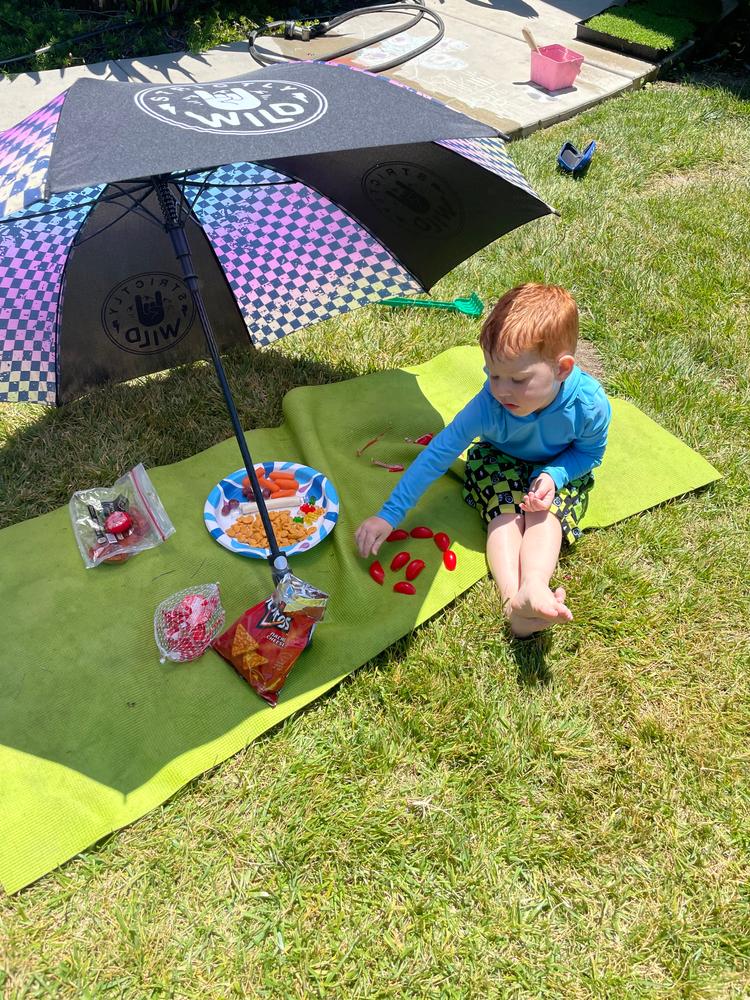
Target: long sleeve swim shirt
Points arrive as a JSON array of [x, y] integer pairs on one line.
[[566, 439]]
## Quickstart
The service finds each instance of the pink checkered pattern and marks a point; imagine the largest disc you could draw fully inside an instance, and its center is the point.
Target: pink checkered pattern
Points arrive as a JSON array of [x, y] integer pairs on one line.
[[32, 257], [290, 255]]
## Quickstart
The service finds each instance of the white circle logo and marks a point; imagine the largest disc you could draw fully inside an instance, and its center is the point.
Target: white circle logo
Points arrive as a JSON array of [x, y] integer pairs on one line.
[[237, 107]]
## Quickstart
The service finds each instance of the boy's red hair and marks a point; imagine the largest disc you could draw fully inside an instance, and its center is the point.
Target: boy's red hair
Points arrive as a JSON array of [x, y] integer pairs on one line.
[[536, 317]]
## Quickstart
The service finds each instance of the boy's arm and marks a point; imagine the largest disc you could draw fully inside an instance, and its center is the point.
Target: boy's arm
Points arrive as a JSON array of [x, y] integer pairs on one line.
[[583, 454], [434, 461]]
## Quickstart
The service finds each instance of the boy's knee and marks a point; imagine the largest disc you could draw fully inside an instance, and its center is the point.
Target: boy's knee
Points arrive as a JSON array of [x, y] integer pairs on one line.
[[501, 520]]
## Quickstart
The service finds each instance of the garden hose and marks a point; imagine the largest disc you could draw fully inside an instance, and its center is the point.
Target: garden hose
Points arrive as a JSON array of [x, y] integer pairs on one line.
[[305, 33]]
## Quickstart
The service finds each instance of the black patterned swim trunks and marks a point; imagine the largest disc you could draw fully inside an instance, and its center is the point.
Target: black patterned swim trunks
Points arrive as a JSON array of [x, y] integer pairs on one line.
[[495, 484]]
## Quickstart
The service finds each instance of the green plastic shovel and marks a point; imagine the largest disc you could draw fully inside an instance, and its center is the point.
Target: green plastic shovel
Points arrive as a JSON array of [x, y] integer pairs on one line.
[[472, 305]]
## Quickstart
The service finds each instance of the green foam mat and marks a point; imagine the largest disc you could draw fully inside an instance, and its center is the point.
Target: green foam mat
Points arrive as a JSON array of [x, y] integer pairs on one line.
[[96, 731]]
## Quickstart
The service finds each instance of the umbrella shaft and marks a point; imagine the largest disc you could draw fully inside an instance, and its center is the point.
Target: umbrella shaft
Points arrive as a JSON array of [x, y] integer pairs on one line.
[[176, 231]]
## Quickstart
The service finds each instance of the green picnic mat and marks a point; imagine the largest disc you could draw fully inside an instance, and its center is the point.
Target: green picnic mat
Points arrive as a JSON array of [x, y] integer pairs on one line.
[[95, 731]]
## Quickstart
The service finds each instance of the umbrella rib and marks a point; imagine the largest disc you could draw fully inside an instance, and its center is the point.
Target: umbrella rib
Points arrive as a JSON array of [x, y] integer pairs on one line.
[[68, 208], [133, 208]]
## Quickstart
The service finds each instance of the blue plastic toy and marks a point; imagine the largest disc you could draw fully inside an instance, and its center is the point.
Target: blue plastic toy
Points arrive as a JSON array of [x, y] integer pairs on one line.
[[573, 162]]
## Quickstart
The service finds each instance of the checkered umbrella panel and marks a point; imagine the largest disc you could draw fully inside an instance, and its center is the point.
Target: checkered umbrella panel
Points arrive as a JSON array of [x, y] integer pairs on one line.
[[304, 191]]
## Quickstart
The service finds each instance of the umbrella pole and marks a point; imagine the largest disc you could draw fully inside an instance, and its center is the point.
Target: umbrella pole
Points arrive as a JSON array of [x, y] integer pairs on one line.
[[176, 232]]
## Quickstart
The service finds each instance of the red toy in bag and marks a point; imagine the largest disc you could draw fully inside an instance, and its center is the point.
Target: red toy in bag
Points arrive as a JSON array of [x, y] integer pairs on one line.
[[264, 642], [112, 523], [186, 623]]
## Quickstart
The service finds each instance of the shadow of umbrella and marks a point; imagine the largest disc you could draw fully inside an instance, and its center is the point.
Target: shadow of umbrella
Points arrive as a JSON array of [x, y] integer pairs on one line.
[[287, 195], [81, 679]]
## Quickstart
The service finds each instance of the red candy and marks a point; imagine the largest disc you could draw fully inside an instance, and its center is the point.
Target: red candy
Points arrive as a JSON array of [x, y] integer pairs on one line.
[[399, 560], [398, 535], [442, 541], [449, 559], [414, 568], [377, 572], [402, 587], [118, 522], [421, 532]]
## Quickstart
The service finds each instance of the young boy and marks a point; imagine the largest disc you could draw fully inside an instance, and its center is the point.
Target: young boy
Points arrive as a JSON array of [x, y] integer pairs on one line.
[[542, 427]]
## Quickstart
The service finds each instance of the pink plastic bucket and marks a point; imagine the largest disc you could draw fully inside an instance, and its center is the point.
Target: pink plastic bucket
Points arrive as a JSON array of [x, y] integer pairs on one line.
[[554, 67]]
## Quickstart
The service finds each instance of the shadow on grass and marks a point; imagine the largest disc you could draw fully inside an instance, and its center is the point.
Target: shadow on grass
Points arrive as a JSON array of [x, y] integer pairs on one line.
[[530, 658], [156, 420]]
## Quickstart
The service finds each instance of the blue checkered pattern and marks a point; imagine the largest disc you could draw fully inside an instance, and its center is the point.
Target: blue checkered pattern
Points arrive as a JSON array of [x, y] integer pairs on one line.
[[24, 157], [290, 255], [490, 153], [33, 253]]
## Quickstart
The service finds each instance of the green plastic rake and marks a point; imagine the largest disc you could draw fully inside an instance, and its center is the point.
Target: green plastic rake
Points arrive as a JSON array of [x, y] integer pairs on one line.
[[471, 305]]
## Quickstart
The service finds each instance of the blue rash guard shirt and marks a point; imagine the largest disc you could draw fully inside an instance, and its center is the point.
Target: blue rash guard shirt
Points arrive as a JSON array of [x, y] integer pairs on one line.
[[566, 439]]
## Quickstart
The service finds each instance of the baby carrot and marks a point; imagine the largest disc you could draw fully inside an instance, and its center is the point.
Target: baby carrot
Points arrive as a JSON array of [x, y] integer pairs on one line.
[[269, 484], [286, 484], [281, 474], [285, 493]]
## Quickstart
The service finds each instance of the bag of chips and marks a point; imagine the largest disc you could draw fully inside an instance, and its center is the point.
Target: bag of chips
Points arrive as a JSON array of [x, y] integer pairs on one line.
[[264, 642], [112, 523]]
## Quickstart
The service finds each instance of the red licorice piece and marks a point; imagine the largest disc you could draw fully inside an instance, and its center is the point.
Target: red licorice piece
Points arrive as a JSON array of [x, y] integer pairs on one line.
[[442, 541], [377, 572], [421, 532], [402, 587], [414, 568], [425, 439], [449, 559], [398, 535], [399, 560]]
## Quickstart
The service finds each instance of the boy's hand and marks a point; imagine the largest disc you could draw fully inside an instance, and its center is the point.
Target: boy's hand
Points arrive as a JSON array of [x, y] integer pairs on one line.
[[541, 494], [371, 534]]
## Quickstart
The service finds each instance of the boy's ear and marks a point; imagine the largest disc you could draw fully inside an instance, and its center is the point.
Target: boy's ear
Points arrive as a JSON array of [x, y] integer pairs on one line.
[[565, 364]]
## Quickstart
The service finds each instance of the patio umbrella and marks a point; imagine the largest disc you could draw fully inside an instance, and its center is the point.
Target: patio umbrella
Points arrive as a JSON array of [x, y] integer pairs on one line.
[[287, 195]]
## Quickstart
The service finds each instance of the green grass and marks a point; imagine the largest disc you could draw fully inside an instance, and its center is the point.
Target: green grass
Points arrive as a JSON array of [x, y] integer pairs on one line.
[[645, 25], [462, 817]]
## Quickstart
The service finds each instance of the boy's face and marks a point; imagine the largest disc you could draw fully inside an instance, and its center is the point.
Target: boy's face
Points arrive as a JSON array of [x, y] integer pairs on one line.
[[527, 383]]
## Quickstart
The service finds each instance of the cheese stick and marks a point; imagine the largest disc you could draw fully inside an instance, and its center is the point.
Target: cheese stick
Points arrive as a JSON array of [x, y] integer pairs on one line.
[[273, 503]]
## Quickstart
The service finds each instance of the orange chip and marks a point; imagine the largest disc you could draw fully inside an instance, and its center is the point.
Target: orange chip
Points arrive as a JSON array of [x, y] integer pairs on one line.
[[253, 659], [243, 642]]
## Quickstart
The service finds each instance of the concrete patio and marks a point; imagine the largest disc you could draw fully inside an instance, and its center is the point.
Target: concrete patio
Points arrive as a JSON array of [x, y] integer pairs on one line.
[[480, 67]]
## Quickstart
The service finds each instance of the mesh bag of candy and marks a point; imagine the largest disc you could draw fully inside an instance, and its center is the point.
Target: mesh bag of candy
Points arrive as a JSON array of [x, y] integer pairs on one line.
[[112, 523], [264, 642], [186, 623]]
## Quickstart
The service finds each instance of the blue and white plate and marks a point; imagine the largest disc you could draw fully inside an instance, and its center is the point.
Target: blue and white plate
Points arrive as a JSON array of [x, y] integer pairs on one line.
[[314, 487]]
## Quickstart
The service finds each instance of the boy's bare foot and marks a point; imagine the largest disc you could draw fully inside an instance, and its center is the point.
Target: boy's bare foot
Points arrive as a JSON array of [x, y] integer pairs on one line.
[[535, 608]]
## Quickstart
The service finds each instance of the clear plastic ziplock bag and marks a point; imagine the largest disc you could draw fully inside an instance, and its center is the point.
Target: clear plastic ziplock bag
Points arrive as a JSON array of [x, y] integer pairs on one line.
[[113, 523]]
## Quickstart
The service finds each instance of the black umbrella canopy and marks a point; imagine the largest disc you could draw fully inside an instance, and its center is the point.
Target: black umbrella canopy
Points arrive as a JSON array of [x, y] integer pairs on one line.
[[117, 131], [389, 157]]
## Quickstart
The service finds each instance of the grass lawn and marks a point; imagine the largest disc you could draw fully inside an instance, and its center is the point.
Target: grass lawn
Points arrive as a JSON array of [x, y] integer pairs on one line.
[[464, 818], [639, 23]]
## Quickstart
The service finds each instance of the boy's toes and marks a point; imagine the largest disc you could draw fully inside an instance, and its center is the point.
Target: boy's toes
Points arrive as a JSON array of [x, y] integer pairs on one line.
[[565, 611], [522, 628]]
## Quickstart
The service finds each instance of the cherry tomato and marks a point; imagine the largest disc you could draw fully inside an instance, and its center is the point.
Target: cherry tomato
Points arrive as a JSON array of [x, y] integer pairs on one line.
[[398, 535], [399, 560], [377, 572], [402, 587], [414, 568], [421, 532], [449, 559], [442, 541]]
